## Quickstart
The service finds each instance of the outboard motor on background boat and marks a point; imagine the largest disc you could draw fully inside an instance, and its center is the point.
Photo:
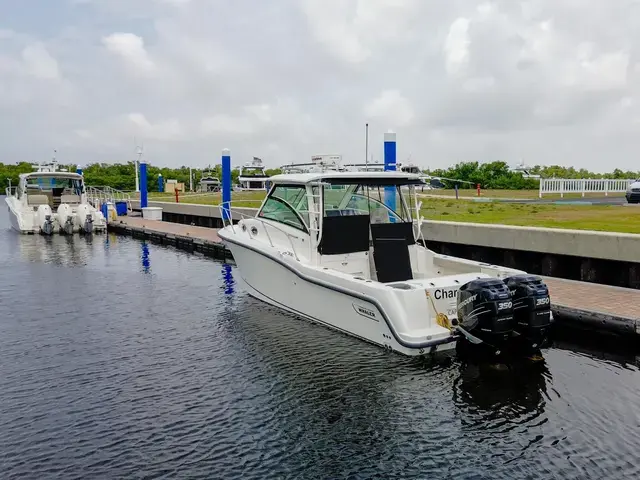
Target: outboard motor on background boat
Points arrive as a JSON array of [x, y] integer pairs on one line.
[[65, 218], [85, 218], [531, 310], [45, 219], [485, 313]]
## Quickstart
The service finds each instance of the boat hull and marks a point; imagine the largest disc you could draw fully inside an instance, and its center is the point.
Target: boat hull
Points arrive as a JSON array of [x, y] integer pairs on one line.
[[28, 224], [276, 282]]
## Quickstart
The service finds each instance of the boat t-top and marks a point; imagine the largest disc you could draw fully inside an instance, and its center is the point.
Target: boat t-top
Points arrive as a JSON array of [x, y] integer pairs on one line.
[[345, 250], [253, 176], [50, 201]]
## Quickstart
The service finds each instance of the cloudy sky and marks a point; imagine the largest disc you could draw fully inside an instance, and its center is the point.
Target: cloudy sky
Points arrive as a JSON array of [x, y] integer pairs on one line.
[[546, 81]]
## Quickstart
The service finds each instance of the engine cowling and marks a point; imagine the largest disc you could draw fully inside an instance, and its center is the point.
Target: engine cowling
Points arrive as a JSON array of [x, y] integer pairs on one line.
[[44, 217], [531, 307], [65, 218], [485, 310]]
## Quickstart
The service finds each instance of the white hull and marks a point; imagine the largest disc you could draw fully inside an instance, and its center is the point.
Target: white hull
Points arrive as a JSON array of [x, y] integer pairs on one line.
[[24, 220], [287, 284]]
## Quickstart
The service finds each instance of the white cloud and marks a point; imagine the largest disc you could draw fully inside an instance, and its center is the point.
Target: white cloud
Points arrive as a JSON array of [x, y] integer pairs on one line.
[[473, 79], [391, 107], [456, 47], [131, 49], [39, 63]]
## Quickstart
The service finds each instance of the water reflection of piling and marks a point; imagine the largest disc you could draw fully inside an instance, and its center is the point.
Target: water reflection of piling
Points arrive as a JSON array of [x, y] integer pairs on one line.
[[229, 281], [146, 262]]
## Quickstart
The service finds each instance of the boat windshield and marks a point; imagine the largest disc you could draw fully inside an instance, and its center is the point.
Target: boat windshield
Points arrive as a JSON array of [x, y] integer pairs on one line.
[[43, 183], [287, 204], [384, 203]]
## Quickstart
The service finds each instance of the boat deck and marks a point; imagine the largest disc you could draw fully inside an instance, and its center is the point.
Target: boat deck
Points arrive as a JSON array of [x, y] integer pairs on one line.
[[599, 306]]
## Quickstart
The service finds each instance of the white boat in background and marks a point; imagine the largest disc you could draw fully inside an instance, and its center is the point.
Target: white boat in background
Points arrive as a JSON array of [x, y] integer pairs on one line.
[[50, 201], [253, 176], [345, 249]]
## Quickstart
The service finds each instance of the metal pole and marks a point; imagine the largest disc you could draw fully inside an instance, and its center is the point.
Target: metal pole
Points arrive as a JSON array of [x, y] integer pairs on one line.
[[390, 165], [226, 184], [143, 184], [366, 147]]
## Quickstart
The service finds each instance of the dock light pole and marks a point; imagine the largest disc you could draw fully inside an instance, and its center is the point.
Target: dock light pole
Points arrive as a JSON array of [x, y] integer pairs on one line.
[[79, 169], [226, 184], [390, 166], [143, 184], [160, 183]]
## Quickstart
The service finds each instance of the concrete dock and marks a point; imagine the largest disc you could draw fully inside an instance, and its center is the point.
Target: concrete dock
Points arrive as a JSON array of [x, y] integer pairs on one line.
[[596, 306]]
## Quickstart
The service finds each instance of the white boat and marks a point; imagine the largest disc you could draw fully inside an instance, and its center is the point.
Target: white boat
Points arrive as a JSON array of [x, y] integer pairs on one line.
[[253, 176], [344, 249], [50, 201], [209, 182]]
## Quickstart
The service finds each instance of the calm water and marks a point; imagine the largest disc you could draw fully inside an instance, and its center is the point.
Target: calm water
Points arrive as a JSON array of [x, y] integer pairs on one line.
[[125, 360]]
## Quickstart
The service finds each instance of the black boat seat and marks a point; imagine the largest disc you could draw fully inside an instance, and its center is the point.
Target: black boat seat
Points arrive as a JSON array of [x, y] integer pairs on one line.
[[391, 251]]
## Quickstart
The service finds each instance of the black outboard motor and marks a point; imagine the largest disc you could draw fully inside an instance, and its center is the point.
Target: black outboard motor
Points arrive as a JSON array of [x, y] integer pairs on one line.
[[485, 310], [531, 310]]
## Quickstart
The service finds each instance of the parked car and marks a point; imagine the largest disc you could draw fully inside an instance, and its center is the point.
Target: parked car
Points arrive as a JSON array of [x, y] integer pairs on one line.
[[633, 192]]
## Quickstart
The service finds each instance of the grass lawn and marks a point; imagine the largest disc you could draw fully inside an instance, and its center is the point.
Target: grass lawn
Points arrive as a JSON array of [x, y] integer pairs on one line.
[[610, 218], [512, 194]]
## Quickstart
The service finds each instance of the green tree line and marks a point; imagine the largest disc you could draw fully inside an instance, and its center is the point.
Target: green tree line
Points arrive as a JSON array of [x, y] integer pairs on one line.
[[492, 175], [497, 175]]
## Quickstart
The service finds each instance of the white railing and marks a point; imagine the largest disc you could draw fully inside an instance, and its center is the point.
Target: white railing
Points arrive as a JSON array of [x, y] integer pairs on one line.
[[587, 185], [10, 191], [229, 212], [97, 196]]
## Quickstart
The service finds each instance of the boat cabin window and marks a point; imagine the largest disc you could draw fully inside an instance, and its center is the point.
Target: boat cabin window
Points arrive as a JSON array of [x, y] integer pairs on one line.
[[383, 203], [287, 204], [57, 185]]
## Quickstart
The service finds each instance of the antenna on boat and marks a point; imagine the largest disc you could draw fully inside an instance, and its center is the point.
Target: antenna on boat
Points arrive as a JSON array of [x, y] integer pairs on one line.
[[366, 146]]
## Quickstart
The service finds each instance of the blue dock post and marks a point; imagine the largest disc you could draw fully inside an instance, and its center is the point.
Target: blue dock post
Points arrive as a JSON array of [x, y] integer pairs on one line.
[[78, 189], [390, 165], [226, 184], [160, 183], [143, 184]]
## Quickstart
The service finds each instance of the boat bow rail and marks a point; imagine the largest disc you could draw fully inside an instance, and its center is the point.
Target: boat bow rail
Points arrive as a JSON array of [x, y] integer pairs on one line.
[[229, 212]]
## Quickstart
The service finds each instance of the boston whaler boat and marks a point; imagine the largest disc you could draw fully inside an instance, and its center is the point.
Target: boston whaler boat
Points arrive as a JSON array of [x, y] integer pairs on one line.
[[52, 201], [344, 249]]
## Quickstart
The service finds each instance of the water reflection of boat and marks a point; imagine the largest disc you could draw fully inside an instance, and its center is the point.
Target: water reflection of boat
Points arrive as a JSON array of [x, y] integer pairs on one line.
[[515, 389], [58, 250]]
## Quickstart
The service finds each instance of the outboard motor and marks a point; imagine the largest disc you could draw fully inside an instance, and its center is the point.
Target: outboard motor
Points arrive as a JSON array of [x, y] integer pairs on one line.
[[531, 310], [65, 219], [47, 226], [84, 218], [88, 224], [485, 311], [44, 218]]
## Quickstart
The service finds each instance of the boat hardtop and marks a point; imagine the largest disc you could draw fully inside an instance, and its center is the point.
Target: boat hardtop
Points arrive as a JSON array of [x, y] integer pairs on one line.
[[348, 177]]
